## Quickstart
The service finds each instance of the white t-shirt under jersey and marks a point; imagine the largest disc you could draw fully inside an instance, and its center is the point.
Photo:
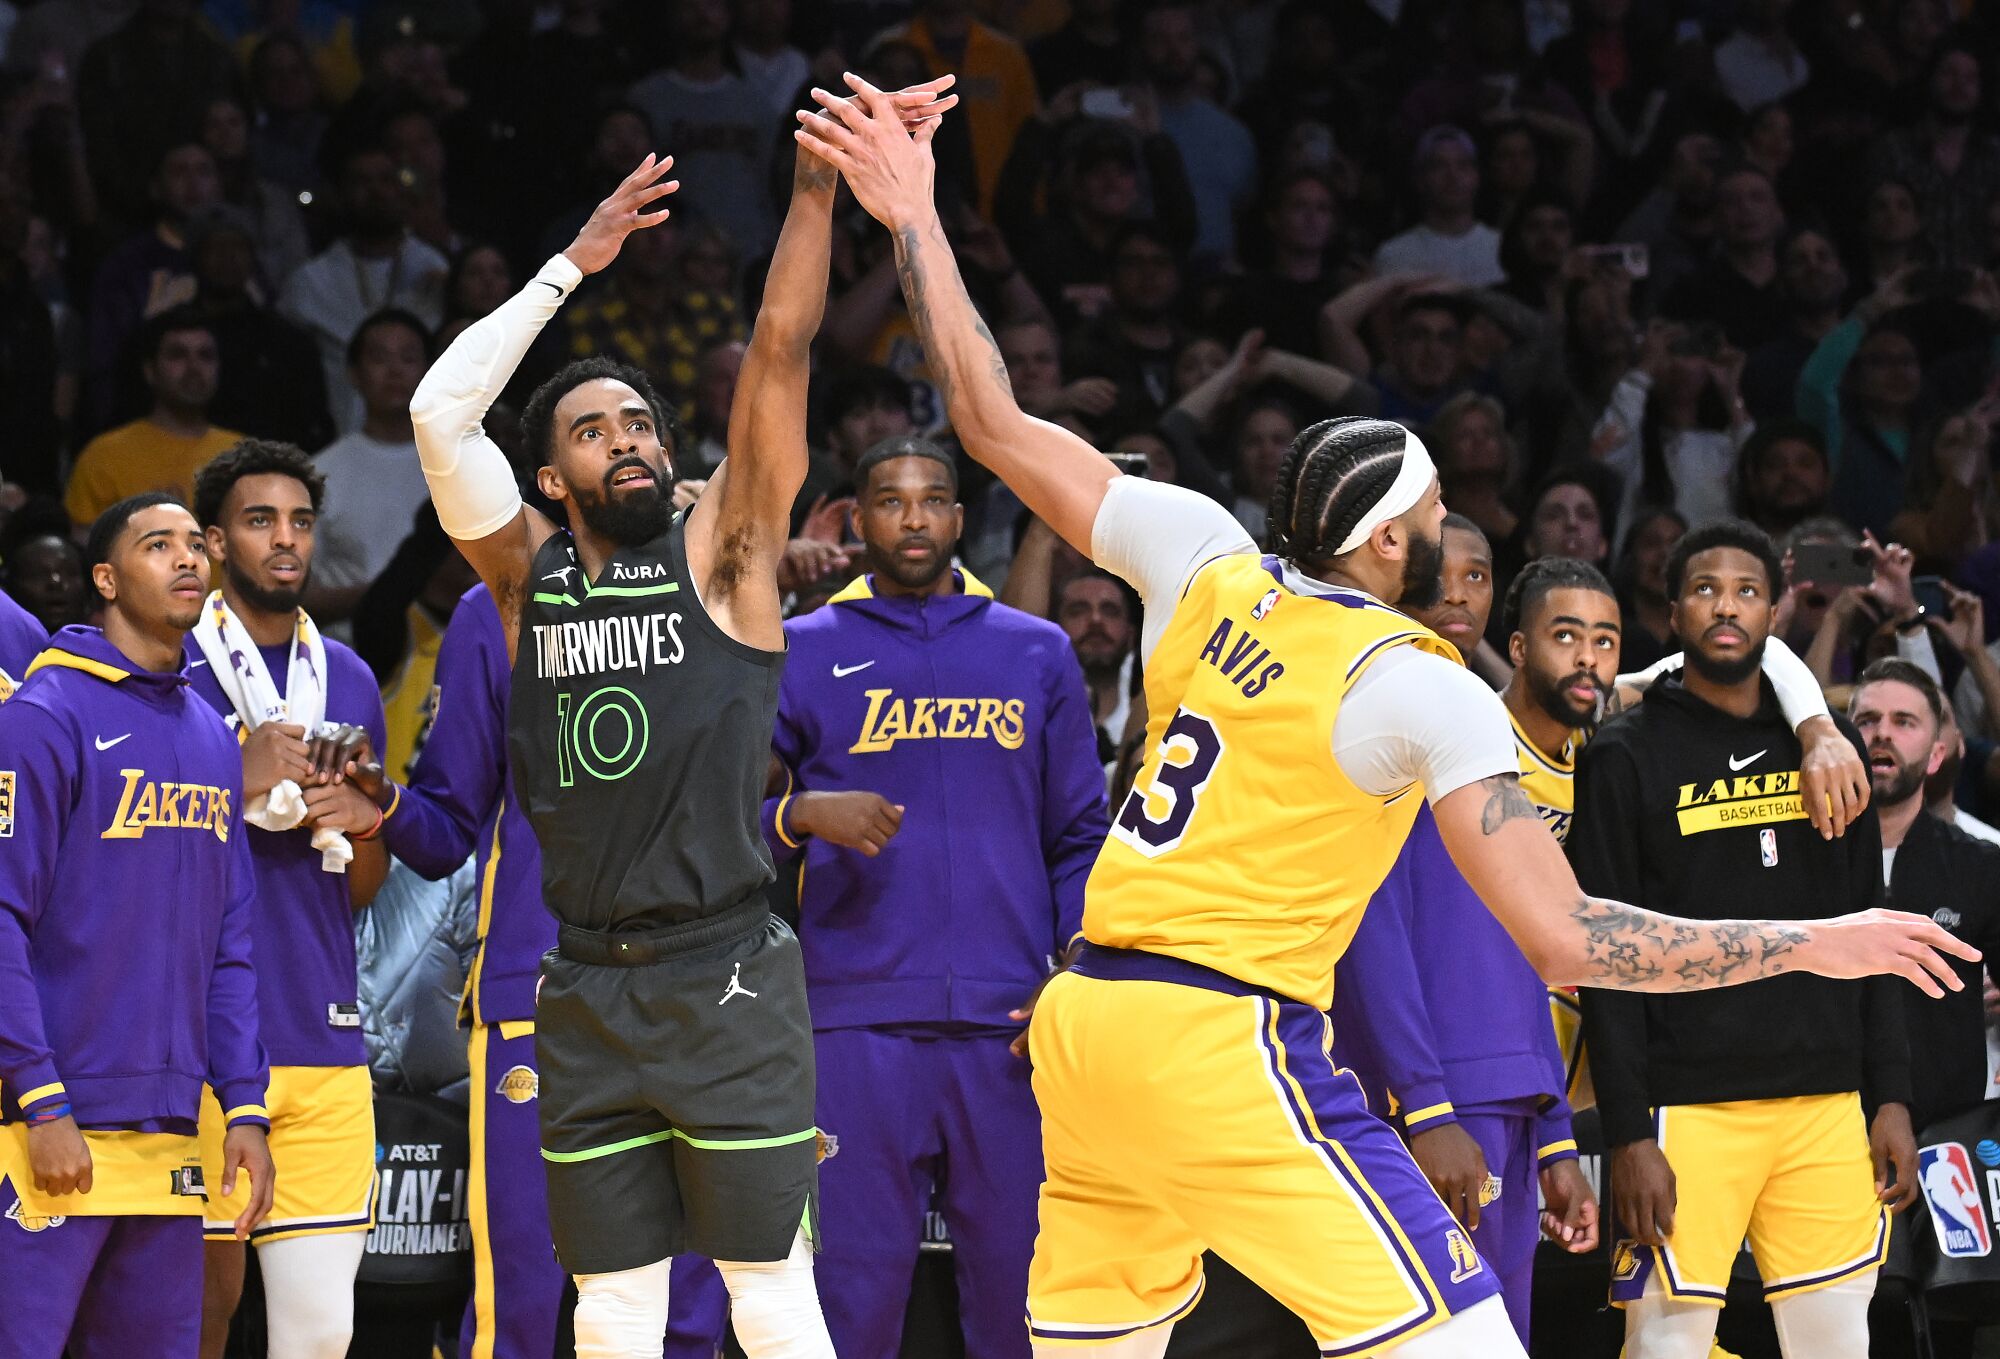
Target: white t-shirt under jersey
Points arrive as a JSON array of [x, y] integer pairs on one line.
[[1412, 716]]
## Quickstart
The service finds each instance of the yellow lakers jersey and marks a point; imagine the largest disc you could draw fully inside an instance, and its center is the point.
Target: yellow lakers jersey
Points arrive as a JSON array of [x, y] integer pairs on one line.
[[1243, 846], [1550, 783]]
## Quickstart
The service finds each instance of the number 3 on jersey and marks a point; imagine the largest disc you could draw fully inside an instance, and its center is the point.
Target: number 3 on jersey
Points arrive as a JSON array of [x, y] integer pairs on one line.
[[1187, 755]]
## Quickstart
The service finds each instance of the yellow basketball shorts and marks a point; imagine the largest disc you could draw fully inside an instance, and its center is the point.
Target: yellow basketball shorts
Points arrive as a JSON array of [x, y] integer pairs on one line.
[[1794, 1175], [1183, 1110], [133, 1174], [322, 1145]]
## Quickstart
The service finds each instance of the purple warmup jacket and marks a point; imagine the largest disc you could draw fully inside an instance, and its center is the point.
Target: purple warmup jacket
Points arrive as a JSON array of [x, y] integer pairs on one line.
[[1435, 1008], [974, 717], [21, 640], [125, 897], [304, 919], [460, 802]]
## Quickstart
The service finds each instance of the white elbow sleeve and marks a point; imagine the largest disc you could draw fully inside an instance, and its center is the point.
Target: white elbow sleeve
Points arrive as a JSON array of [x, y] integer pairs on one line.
[[1793, 681], [471, 482]]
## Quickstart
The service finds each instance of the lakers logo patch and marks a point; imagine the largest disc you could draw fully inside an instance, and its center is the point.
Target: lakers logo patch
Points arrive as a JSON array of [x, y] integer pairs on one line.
[[1464, 1259], [1625, 1262], [31, 1223], [519, 1085]]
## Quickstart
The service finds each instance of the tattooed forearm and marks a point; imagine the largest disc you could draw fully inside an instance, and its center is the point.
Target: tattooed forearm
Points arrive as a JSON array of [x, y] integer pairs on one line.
[[1626, 948], [955, 345], [1504, 802], [811, 174]]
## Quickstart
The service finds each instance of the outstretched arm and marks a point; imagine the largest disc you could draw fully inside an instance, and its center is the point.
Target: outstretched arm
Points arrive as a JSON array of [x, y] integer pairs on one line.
[[1505, 851], [1056, 474], [738, 532], [478, 501]]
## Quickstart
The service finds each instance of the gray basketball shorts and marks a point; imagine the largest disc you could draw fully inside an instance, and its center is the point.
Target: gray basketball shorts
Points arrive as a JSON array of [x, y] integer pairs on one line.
[[677, 1093]]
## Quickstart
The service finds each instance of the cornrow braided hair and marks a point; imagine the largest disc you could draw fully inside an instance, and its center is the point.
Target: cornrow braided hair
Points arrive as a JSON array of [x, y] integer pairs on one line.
[[1331, 474]]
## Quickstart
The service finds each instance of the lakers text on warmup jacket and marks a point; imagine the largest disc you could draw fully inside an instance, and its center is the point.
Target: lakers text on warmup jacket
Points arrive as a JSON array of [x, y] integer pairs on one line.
[[1684, 809], [974, 717], [126, 892]]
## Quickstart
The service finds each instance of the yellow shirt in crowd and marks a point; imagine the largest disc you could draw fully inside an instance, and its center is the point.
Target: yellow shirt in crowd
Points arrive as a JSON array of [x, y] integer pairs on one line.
[[138, 457]]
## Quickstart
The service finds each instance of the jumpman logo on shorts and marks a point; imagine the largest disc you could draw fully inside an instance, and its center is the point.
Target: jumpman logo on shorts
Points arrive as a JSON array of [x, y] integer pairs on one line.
[[736, 987]]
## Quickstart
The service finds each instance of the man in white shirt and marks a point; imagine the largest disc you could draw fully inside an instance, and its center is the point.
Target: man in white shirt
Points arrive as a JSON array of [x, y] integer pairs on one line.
[[718, 123], [1447, 238], [374, 482], [768, 61], [374, 265]]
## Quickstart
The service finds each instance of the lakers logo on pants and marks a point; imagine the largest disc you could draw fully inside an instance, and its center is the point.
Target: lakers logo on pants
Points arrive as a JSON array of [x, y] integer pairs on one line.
[[1234, 1131], [1792, 1174]]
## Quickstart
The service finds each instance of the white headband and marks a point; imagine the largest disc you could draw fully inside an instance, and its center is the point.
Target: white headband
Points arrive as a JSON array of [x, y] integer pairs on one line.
[[1413, 478]]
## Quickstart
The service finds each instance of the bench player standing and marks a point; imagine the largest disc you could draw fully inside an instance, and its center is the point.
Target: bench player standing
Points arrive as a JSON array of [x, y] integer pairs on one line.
[[671, 1029]]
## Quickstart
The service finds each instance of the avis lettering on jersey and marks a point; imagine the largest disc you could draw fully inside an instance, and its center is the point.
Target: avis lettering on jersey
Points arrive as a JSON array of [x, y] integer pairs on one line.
[[149, 804], [891, 719], [598, 646], [1244, 660]]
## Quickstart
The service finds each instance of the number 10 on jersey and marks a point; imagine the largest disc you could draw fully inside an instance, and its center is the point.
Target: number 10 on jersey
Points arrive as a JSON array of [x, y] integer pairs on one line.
[[607, 736]]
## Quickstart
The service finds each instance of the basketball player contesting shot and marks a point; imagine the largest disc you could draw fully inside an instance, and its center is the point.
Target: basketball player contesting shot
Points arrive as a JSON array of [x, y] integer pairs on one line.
[[671, 1027]]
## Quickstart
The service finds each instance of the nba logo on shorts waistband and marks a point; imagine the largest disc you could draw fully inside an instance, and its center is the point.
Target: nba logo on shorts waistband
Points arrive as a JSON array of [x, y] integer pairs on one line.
[[1957, 1214], [1767, 840]]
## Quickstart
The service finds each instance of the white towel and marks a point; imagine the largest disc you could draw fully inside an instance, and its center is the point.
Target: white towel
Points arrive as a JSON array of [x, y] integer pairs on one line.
[[238, 666]]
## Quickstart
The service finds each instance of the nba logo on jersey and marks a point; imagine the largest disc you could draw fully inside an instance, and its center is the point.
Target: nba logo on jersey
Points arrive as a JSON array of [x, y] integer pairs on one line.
[[1265, 605], [1767, 840], [1957, 1215]]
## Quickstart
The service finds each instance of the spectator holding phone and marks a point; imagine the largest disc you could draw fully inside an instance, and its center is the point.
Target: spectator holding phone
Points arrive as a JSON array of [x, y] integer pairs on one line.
[[1675, 424]]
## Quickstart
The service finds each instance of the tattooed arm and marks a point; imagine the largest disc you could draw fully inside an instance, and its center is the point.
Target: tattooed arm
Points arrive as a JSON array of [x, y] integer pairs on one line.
[[1575, 939], [1056, 474]]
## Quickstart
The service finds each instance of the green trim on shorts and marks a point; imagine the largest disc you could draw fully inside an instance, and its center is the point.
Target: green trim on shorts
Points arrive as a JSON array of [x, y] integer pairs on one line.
[[701, 1143]]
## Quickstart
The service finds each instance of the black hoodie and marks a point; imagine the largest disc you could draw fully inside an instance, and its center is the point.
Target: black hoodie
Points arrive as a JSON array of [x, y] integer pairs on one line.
[[1684, 809]]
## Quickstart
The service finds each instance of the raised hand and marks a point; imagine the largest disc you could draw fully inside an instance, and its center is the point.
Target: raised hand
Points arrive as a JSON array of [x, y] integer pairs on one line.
[[623, 213], [888, 167]]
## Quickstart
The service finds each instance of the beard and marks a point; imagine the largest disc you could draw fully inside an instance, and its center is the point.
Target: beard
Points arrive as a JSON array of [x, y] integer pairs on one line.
[[1717, 670], [1548, 693], [1423, 574], [1892, 790], [267, 598], [628, 518], [908, 574]]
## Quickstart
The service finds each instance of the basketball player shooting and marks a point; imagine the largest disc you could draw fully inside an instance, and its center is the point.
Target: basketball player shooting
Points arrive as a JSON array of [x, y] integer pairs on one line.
[[672, 1036], [1296, 717]]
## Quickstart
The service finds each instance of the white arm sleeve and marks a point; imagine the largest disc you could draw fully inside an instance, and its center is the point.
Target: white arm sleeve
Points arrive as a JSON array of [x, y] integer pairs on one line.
[[1792, 680], [470, 479], [1154, 536], [1414, 717]]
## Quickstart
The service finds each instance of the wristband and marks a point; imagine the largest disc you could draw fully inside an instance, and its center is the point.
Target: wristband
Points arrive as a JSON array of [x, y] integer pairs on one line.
[[48, 1114], [395, 800], [374, 830]]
